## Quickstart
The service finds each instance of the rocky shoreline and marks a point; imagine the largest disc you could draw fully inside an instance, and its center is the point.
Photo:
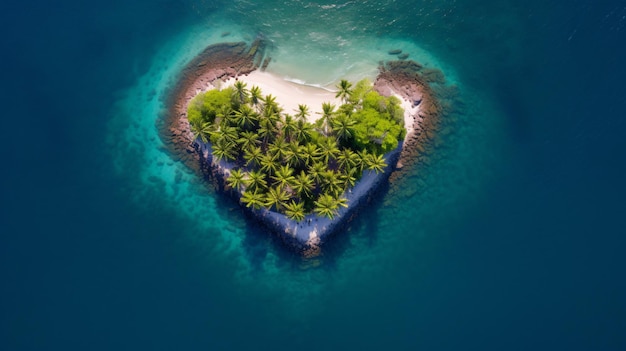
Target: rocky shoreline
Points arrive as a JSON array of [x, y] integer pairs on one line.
[[216, 62], [220, 62], [412, 82], [308, 235]]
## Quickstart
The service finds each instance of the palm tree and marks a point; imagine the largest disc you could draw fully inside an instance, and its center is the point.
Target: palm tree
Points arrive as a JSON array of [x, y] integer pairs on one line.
[[224, 149], [269, 164], [303, 112], [363, 160], [224, 114], [295, 211], [347, 159], [376, 163], [248, 139], [327, 113], [289, 127], [310, 153], [326, 206], [236, 179], [253, 156], [348, 178], [230, 134], [293, 156], [276, 197], [256, 180], [328, 149], [284, 176], [245, 117], [240, 92], [279, 147], [316, 171], [343, 126], [270, 106], [344, 90], [255, 97], [201, 130], [303, 185], [271, 117], [265, 131], [332, 184], [346, 109], [253, 199], [303, 131], [342, 201]]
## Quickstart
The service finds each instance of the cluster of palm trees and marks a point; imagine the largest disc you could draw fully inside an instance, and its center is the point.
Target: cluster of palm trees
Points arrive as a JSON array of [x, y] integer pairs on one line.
[[281, 161]]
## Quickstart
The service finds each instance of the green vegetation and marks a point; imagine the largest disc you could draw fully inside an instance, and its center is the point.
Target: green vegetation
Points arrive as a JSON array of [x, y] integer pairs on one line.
[[284, 163]]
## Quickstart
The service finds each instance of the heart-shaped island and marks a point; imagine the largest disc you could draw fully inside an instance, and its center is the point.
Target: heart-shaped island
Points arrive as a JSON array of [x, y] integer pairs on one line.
[[300, 159]]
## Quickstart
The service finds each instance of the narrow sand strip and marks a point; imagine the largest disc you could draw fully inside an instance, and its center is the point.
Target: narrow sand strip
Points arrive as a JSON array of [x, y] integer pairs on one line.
[[410, 111]]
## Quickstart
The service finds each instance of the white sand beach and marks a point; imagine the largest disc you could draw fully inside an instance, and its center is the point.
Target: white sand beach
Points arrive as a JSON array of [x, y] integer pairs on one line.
[[410, 113], [289, 94]]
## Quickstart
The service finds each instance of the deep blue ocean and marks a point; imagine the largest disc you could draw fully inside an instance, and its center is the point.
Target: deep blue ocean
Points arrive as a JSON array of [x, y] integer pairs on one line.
[[512, 238]]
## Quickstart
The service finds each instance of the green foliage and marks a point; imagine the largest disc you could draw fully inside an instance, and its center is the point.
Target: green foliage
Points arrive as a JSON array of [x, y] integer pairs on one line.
[[201, 130], [284, 162], [255, 97], [326, 205], [236, 179], [377, 128], [376, 163], [194, 113], [344, 91], [240, 93], [343, 126], [295, 210], [256, 181], [253, 199], [302, 112], [276, 197], [360, 89], [205, 106]]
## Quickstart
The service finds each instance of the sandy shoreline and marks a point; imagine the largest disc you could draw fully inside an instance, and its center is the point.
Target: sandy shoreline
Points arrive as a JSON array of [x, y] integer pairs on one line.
[[219, 64], [288, 94]]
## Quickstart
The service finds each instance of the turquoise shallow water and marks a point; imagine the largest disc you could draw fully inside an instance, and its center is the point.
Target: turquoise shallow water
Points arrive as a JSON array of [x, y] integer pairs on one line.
[[508, 239], [460, 166]]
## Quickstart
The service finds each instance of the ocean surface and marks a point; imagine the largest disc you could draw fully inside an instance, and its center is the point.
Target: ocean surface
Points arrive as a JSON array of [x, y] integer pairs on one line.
[[511, 238]]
